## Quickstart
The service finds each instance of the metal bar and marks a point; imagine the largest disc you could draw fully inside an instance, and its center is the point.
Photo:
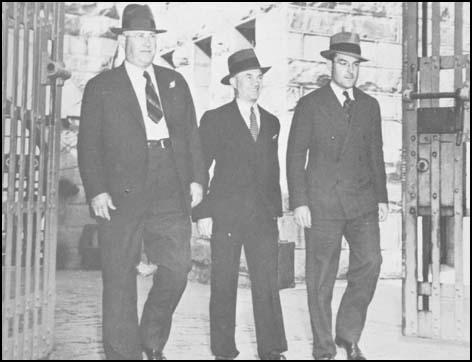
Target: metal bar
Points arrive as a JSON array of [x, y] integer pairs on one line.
[[435, 300], [26, 206], [459, 169], [4, 78], [58, 48], [19, 311], [409, 196], [45, 331], [8, 353], [37, 102], [424, 29], [435, 49]]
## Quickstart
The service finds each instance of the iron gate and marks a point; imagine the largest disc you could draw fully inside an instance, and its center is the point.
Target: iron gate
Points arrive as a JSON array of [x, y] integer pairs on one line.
[[32, 43], [436, 143]]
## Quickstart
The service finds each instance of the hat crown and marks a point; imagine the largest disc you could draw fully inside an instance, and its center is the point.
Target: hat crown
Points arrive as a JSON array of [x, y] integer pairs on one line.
[[244, 55], [345, 37], [138, 17]]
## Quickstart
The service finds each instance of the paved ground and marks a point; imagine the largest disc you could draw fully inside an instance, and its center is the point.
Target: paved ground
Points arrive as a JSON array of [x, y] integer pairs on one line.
[[78, 332]]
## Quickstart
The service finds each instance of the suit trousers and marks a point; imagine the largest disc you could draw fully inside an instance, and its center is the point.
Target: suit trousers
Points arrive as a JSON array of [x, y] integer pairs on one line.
[[259, 236], [323, 248], [156, 217]]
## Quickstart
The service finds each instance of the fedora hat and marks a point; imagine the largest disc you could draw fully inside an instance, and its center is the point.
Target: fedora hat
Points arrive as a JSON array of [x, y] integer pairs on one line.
[[139, 18], [344, 43], [240, 61]]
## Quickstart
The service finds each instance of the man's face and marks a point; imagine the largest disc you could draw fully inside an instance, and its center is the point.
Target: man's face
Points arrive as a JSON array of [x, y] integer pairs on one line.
[[345, 70], [248, 84], [140, 47]]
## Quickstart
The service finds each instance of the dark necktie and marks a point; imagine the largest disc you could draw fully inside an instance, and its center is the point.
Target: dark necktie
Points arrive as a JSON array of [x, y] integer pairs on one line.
[[152, 100], [254, 128], [347, 105]]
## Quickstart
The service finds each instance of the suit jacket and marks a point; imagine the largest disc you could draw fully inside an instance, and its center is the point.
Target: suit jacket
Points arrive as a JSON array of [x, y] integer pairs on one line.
[[246, 173], [112, 149], [345, 175]]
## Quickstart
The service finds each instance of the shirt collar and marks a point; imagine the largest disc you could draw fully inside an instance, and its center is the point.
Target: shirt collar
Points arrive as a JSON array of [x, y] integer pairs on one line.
[[339, 92], [245, 107], [136, 72]]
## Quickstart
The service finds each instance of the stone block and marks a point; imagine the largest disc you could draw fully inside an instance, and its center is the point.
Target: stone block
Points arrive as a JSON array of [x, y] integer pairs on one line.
[[101, 47]]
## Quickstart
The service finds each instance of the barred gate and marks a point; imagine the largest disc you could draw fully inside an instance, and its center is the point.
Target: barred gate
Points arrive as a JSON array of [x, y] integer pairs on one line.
[[436, 151], [32, 41]]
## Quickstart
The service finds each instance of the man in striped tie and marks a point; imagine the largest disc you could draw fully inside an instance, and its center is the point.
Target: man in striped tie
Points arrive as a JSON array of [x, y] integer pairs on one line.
[[241, 209], [142, 167]]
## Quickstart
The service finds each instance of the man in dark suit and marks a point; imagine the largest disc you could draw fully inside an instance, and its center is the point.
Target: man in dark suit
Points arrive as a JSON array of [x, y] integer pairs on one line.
[[142, 167], [341, 192], [241, 208]]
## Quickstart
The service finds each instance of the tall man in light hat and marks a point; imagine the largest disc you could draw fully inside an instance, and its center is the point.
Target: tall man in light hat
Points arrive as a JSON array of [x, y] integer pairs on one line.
[[142, 167], [340, 192], [241, 209]]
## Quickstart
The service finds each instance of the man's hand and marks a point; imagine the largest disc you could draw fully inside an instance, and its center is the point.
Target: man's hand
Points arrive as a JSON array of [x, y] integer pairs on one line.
[[196, 191], [100, 205], [383, 212], [303, 216], [205, 226]]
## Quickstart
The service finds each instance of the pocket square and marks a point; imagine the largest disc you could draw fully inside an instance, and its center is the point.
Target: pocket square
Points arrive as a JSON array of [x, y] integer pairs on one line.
[[274, 137], [172, 84]]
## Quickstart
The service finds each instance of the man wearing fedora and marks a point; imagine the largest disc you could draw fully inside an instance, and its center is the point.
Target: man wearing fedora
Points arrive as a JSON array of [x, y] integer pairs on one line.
[[340, 192], [241, 209], [142, 167]]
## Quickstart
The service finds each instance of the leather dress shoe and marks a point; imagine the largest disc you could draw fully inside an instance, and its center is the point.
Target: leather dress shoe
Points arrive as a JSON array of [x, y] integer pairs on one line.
[[325, 357], [154, 355], [274, 356], [352, 349]]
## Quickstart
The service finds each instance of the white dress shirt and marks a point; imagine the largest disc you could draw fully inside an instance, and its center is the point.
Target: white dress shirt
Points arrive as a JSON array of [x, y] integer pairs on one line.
[[153, 131], [338, 91], [245, 110]]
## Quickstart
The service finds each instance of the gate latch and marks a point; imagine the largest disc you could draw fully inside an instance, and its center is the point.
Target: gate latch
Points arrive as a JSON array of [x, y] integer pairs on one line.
[[52, 70]]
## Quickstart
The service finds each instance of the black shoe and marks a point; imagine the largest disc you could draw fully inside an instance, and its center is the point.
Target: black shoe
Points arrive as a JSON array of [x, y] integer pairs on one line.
[[274, 356], [221, 358], [352, 349], [325, 357], [154, 355]]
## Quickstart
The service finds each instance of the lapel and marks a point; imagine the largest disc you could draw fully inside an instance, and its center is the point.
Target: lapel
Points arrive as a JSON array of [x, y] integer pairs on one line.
[[264, 133], [129, 96], [240, 127], [353, 126]]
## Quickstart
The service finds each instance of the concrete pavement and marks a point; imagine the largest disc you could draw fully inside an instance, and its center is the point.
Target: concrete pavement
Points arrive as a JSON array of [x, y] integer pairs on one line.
[[78, 323]]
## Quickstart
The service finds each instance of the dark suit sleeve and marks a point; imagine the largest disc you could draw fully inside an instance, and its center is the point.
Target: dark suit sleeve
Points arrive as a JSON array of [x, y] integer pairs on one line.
[[89, 146], [377, 163], [298, 145], [193, 138], [210, 144]]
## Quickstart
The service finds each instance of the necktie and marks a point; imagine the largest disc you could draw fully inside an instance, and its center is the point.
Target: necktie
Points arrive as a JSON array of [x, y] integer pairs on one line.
[[347, 105], [152, 100], [254, 128]]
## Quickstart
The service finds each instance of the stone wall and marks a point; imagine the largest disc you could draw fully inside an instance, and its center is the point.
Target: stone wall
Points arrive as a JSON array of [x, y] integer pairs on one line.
[[286, 36]]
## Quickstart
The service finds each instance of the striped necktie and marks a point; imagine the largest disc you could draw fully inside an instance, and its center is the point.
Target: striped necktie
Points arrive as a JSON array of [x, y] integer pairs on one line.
[[347, 105], [152, 100], [254, 128]]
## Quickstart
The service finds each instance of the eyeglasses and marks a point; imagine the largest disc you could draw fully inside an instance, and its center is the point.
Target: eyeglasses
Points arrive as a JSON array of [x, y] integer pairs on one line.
[[142, 36]]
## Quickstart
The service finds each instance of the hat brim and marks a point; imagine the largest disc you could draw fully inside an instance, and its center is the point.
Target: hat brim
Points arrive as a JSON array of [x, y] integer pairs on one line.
[[329, 54], [226, 79], [119, 31]]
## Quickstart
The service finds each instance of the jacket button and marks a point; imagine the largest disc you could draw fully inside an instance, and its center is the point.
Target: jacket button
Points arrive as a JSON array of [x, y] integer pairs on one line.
[[127, 191], [333, 138]]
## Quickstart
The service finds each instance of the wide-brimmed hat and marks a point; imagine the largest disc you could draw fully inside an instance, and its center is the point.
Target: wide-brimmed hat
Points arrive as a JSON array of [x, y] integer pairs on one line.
[[344, 43], [137, 18], [240, 61]]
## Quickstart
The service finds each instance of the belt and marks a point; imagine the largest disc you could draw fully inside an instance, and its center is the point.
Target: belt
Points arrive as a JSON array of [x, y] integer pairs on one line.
[[163, 143]]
